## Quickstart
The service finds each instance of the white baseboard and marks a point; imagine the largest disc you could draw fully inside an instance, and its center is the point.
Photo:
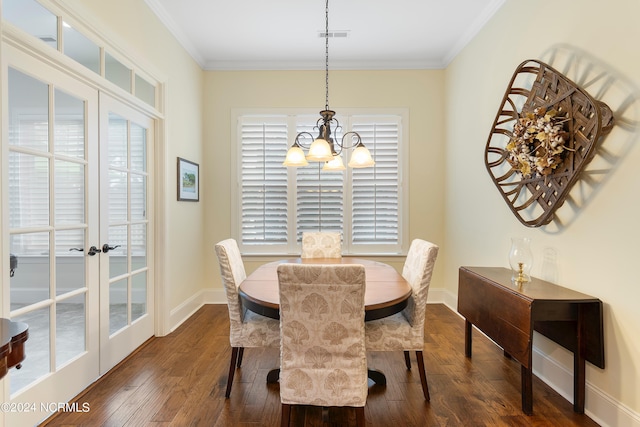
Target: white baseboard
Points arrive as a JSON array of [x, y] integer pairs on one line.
[[187, 308], [442, 296], [599, 406]]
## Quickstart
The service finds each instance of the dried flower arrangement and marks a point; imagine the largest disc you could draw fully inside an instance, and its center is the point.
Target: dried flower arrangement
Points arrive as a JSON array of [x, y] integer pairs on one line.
[[537, 145]]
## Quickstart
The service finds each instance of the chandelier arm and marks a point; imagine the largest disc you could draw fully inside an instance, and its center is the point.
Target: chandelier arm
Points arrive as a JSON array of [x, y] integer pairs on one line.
[[298, 141], [353, 135]]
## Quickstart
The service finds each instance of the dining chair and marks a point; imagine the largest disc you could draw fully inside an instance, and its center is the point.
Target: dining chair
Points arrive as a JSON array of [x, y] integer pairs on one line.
[[404, 331], [320, 244], [322, 354], [246, 328]]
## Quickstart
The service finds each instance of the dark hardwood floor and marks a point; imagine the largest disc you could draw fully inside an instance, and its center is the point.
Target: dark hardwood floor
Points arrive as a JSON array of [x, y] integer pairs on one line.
[[179, 380]]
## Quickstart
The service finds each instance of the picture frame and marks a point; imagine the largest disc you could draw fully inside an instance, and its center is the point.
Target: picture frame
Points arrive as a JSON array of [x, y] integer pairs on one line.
[[188, 181]]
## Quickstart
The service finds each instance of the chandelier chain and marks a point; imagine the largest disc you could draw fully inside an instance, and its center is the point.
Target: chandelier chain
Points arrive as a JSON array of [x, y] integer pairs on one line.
[[326, 49], [323, 148]]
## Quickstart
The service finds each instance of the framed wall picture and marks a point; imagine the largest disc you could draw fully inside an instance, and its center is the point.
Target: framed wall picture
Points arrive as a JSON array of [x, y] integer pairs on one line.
[[188, 180]]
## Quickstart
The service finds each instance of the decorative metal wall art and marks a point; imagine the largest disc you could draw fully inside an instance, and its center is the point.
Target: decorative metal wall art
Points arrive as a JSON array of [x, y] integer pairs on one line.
[[545, 133]]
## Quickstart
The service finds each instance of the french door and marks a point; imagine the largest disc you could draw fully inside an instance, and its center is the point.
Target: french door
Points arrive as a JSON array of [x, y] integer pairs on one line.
[[79, 224], [126, 291]]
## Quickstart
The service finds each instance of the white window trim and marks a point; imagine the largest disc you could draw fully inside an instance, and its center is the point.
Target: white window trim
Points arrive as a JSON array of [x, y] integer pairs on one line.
[[293, 248]]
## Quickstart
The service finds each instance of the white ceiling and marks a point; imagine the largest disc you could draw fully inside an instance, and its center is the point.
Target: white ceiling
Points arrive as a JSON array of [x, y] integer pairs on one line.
[[285, 34]]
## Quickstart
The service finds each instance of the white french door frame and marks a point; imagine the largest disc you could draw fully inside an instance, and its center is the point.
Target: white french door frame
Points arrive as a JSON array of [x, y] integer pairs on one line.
[[14, 40], [65, 381]]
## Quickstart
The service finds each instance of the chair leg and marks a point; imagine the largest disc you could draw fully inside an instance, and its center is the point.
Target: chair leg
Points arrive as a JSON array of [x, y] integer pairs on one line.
[[240, 354], [286, 414], [407, 361], [423, 375], [360, 416], [232, 370]]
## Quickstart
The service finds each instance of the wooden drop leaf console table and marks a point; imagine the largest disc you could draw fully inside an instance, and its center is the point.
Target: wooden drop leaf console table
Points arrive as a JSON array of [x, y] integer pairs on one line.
[[509, 314]]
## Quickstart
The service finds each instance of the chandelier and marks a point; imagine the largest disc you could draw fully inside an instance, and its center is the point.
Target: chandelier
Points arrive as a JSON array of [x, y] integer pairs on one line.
[[324, 148]]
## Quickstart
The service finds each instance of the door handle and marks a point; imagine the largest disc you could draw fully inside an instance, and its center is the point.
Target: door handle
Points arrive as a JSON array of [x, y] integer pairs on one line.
[[106, 248], [92, 250]]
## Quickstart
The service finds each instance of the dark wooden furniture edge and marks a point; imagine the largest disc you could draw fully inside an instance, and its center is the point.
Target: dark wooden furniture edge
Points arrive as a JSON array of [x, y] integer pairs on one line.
[[560, 332], [12, 338], [273, 312], [569, 318]]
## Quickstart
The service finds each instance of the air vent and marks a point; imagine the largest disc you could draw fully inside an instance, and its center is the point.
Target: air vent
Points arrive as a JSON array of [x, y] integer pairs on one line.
[[334, 34]]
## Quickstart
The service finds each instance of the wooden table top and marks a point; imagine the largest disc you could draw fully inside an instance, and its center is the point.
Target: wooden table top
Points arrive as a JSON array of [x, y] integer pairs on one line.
[[534, 290], [386, 292]]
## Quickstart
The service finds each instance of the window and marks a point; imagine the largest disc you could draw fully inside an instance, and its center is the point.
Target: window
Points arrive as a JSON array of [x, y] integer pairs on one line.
[[276, 204], [42, 23]]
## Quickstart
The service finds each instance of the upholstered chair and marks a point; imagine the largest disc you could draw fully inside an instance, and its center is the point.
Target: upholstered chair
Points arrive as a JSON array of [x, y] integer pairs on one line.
[[404, 331], [247, 329], [322, 354], [321, 245]]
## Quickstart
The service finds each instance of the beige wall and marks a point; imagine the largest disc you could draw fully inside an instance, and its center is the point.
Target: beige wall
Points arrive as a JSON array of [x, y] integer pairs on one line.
[[592, 247], [419, 91]]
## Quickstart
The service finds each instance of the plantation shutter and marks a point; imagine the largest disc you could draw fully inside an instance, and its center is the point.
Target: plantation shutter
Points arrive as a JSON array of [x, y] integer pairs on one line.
[[375, 190], [277, 204], [264, 145], [319, 195]]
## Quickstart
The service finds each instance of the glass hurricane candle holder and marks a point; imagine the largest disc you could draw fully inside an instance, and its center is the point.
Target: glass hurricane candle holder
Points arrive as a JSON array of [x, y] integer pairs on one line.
[[520, 260]]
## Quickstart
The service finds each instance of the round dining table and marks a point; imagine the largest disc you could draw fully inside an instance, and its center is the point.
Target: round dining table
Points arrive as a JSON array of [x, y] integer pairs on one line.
[[386, 293]]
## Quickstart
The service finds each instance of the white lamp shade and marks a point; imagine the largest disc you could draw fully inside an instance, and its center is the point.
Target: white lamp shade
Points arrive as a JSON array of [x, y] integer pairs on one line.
[[295, 157], [335, 164], [320, 151], [361, 158]]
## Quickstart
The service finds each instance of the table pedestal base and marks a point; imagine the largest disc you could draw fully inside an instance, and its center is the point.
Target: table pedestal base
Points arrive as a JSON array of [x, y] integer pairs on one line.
[[273, 376]]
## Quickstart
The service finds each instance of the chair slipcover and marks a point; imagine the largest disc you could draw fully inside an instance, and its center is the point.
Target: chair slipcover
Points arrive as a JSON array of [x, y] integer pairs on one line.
[[321, 245], [246, 328], [404, 331], [323, 359]]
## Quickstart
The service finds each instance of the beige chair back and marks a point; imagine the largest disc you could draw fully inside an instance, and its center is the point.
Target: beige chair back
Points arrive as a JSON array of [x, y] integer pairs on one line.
[[417, 270], [321, 245], [233, 273], [246, 328], [323, 360]]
